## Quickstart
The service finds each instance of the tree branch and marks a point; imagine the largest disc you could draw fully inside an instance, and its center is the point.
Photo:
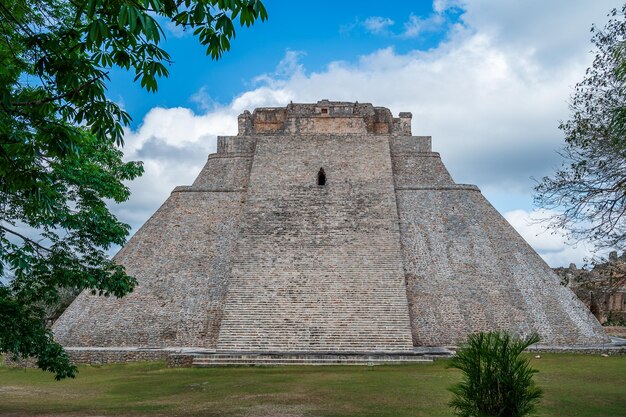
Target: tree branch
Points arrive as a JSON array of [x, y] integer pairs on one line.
[[60, 96], [24, 238]]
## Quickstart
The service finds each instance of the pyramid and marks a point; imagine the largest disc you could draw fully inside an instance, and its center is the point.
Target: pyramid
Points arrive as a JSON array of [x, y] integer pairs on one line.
[[324, 228]]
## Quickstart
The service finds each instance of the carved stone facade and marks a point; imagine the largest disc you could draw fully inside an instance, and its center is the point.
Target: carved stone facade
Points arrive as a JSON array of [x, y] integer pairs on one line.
[[388, 254]]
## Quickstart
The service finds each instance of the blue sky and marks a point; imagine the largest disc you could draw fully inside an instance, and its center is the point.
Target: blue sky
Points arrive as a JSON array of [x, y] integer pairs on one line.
[[488, 80], [320, 36]]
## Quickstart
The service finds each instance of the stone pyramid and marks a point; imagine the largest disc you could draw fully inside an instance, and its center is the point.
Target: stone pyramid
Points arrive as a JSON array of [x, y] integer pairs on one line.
[[325, 227]]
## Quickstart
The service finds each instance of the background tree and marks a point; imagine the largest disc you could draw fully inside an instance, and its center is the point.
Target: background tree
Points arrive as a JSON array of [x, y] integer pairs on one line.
[[589, 190], [497, 381], [60, 140]]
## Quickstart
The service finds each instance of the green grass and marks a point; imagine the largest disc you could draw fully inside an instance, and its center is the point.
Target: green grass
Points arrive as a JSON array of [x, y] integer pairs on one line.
[[574, 385]]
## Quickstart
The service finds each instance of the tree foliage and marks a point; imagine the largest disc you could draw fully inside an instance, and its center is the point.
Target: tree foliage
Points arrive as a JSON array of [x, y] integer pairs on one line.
[[60, 140], [589, 190], [497, 382]]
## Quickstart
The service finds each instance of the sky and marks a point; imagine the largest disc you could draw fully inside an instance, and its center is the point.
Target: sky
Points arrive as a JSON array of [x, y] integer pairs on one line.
[[489, 80]]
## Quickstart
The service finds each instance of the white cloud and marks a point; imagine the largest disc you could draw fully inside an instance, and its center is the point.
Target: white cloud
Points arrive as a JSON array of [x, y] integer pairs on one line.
[[440, 6], [552, 31], [175, 30], [412, 28], [288, 67], [483, 106], [377, 24], [204, 100], [173, 145], [554, 246], [491, 95], [416, 25]]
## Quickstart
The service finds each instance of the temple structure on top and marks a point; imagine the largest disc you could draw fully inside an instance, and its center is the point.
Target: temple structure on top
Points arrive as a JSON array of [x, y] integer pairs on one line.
[[324, 117], [325, 228]]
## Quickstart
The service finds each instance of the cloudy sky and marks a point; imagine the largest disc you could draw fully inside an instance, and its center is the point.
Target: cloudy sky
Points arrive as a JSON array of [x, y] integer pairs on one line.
[[489, 80]]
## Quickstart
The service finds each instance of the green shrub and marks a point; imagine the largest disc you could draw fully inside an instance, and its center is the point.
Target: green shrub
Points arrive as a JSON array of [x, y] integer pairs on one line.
[[497, 382]]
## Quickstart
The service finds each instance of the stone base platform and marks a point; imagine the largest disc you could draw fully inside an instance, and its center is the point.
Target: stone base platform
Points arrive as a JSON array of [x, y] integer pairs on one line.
[[617, 346], [202, 357], [214, 359]]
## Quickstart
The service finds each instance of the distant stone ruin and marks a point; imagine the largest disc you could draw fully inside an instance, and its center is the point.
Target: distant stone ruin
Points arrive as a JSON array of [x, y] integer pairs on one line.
[[602, 288], [324, 228]]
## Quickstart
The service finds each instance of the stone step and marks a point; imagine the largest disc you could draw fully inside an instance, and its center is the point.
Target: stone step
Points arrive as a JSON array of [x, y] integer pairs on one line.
[[311, 358], [277, 358], [251, 360], [305, 278], [213, 364]]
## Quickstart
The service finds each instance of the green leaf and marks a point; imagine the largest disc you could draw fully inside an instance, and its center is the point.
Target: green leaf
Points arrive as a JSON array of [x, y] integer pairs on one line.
[[199, 14], [122, 18], [60, 143]]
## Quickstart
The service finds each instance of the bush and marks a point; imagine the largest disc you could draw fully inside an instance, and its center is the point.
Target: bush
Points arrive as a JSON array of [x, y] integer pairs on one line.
[[497, 382]]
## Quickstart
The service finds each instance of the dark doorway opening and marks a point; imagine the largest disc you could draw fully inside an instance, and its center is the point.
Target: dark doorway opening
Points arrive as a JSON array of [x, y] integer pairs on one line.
[[321, 177]]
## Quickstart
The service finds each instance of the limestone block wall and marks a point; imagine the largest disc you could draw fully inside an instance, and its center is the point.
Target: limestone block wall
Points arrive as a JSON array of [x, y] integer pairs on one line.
[[409, 144], [96, 356], [423, 169], [414, 164], [229, 168], [388, 254], [318, 268], [224, 173], [468, 270], [181, 258], [326, 125]]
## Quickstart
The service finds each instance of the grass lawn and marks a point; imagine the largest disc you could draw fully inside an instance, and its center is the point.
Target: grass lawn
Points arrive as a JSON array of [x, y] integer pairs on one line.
[[574, 385]]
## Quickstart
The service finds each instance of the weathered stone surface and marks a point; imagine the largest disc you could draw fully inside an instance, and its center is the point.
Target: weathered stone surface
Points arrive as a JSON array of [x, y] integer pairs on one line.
[[390, 253], [468, 270], [181, 258], [318, 267]]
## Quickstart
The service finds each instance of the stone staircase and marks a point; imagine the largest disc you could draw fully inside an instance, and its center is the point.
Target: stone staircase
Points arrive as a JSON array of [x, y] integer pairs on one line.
[[347, 313], [318, 269]]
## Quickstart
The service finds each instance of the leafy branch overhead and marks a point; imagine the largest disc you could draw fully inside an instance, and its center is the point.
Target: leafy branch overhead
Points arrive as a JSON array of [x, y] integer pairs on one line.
[[68, 47], [60, 139], [589, 190]]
